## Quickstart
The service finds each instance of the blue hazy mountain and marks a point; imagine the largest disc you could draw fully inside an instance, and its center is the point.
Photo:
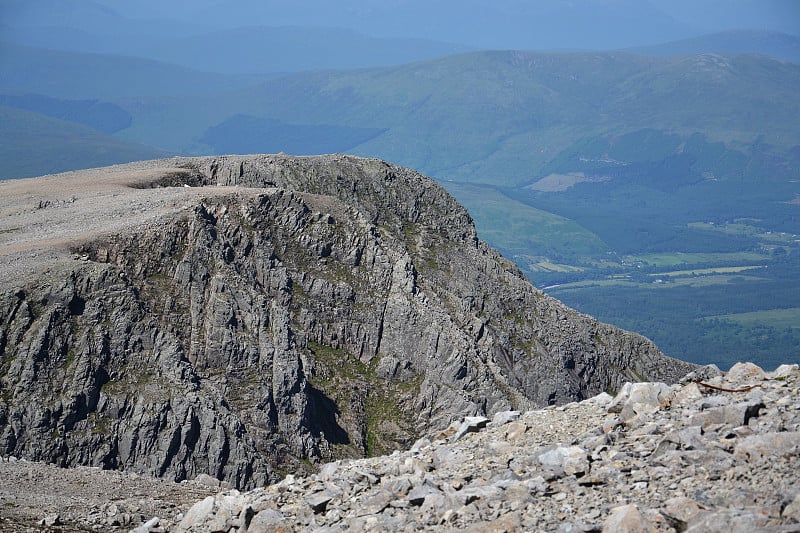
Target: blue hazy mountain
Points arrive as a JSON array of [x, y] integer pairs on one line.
[[775, 44]]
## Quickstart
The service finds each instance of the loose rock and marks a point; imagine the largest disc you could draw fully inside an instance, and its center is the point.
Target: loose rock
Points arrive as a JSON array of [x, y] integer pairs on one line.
[[665, 469]]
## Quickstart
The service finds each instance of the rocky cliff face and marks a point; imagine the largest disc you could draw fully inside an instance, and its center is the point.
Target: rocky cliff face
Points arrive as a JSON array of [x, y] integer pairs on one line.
[[247, 316]]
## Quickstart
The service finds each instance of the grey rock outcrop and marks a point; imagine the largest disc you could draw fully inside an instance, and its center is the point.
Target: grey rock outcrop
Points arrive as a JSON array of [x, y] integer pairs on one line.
[[243, 317]]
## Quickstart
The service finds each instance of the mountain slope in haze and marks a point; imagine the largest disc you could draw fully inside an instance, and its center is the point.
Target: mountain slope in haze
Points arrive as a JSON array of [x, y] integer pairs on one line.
[[472, 24], [242, 316], [102, 116], [502, 24], [251, 45], [721, 15], [247, 135], [108, 77], [504, 117], [261, 49], [495, 117], [33, 144], [774, 44]]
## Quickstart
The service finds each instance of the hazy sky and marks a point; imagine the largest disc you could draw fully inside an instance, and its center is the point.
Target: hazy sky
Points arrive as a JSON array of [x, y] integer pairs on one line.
[[531, 24]]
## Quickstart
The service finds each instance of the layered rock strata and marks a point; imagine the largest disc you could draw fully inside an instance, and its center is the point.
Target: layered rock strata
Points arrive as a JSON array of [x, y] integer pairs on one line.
[[245, 317]]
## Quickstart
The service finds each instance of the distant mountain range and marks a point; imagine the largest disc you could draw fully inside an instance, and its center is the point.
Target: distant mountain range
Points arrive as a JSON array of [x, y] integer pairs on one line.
[[248, 36], [638, 166]]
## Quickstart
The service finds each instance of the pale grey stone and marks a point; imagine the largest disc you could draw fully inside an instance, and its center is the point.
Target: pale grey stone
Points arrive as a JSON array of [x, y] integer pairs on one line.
[[640, 398], [205, 479], [420, 492], [444, 457], [738, 414], [328, 471], [504, 417], [784, 371], [792, 511], [682, 509], [420, 443], [744, 372], [268, 521], [702, 373], [147, 526], [470, 424], [770, 445], [689, 438], [198, 513], [627, 519], [319, 501], [374, 503], [572, 459], [729, 521], [51, 520]]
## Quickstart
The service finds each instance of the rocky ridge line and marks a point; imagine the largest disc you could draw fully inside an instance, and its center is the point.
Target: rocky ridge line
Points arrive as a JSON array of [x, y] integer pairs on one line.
[[718, 455]]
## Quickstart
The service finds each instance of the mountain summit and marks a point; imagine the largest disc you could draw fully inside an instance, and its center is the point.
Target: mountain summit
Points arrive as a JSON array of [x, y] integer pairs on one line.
[[247, 316]]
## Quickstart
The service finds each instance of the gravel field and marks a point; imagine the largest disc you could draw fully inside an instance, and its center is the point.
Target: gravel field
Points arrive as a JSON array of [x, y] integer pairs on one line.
[[93, 202]]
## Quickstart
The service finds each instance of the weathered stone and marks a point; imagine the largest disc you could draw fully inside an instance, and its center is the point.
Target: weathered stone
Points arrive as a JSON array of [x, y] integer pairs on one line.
[[572, 459], [640, 398], [687, 393], [420, 444], [478, 492], [515, 430], [792, 511], [682, 509], [328, 471], [571, 527], [205, 479], [689, 438], [444, 457], [504, 524], [744, 372], [718, 400], [319, 501], [784, 371], [738, 414], [470, 424], [198, 513], [268, 521], [602, 400], [412, 465], [51, 520], [702, 373], [768, 446], [504, 417], [420, 492], [729, 520], [627, 519], [374, 503], [147, 527]]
